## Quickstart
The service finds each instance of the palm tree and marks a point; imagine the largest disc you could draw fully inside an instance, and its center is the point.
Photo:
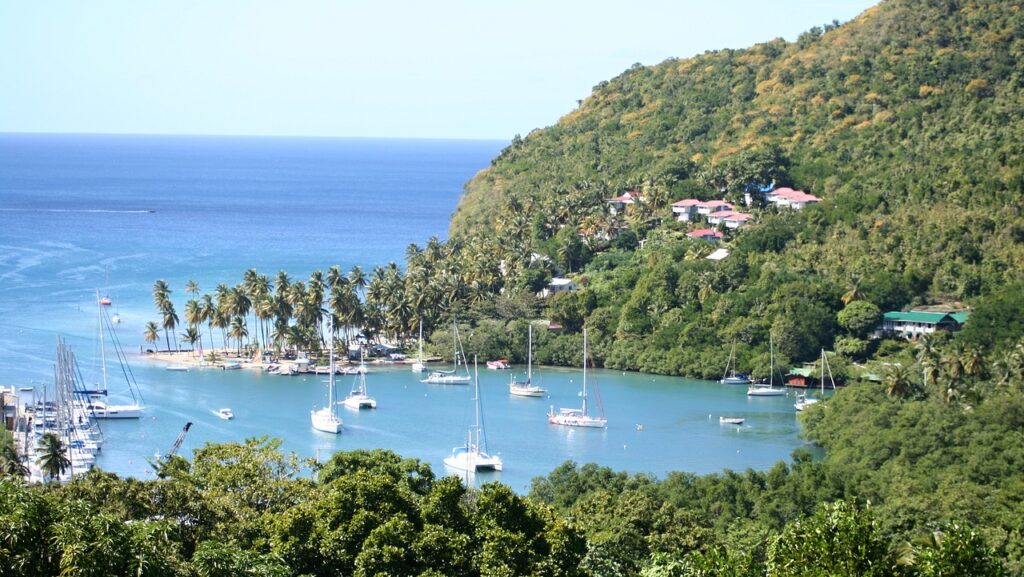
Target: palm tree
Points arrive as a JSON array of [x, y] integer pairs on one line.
[[11, 463], [193, 318], [191, 336], [170, 322], [854, 294], [192, 288], [238, 331], [358, 278], [898, 382], [152, 333], [53, 457], [161, 294]]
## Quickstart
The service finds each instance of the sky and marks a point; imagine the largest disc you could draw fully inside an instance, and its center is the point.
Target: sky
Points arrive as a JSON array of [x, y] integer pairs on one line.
[[477, 69]]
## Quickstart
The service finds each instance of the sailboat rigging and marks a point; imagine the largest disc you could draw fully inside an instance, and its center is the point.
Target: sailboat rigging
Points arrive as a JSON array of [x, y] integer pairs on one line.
[[769, 390], [326, 419], [473, 455], [579, 417], [452, 377], [97, 397], [527, 388]]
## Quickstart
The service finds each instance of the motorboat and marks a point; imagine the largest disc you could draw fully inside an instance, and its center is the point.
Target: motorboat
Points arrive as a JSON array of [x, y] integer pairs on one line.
[[225, 414], [498, 365], [731, 420]]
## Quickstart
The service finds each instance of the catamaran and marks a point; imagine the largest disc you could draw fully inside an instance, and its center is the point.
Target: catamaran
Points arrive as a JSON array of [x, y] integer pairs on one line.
[[473, 455], [357, 397], [527, 388], [578, 417], [326, 419], [451, 377], [769, 390]]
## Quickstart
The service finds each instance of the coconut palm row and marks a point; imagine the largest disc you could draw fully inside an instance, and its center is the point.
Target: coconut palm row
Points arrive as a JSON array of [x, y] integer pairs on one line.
[[288, 314]]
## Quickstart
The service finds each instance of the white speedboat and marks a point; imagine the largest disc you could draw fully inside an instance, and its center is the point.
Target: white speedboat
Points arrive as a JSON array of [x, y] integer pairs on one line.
[[473, 455], [225, 414], [578, 417], [731, 420]]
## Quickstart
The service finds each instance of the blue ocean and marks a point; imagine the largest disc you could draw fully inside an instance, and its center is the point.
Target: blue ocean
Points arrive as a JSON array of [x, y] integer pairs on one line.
[[81, 214]]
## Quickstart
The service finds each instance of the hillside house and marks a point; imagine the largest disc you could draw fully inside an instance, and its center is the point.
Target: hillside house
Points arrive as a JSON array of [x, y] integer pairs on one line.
[[730, 218], [707, 234], [557, 285], [914, 324], [618, 204], [787, 197], [710, 206], [686, 209]]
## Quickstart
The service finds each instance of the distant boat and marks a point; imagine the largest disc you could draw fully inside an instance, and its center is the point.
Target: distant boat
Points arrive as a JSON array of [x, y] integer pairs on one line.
[[225, 414], [498, 365], [578, 417], [527, 388], [419, 366], [762, 390], [731, 420], [451, 377], [473, 455], [176, 367], [326, 419], [105, 301], [357, 397], [231, 365], [730, 377]]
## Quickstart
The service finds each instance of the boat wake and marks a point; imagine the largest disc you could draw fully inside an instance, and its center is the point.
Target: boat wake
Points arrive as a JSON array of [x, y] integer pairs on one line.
[[81, 210]]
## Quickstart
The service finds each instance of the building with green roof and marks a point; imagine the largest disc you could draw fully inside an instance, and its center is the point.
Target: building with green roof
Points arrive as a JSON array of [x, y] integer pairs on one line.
[[913, 324]]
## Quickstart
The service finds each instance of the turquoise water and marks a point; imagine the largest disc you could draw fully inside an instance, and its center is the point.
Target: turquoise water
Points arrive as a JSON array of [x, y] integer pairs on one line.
[[114, 213]]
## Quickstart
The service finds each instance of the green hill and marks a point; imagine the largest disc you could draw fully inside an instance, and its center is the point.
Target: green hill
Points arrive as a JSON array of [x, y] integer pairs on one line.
[[906, 121]]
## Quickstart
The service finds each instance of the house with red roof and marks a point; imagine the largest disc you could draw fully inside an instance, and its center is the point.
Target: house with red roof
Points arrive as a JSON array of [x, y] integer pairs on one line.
[[730, 218], [707, 234], [707, 207], [686, 209], [618, 204], [795, 199]]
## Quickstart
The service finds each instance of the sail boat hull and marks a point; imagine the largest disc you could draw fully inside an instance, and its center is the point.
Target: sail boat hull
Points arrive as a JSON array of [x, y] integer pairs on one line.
[[358, 401], [325, 420], [765, 392], [526, 390], [472, 459], [576, 418], [104, 411]]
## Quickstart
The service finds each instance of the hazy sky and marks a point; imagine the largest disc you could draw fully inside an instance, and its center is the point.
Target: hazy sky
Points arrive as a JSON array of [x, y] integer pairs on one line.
[[388, 68]]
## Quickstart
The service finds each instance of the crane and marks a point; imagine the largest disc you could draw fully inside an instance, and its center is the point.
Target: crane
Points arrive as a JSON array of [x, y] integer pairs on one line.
[[177, 443]]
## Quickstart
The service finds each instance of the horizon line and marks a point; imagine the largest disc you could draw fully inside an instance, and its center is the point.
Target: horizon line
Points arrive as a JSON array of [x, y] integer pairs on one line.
[[216, 135]]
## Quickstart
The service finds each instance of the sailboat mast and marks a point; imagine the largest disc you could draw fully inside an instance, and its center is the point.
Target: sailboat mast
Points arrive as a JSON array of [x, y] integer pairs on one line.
[[103, 353], [529, 357], [771, 361], [584, 371], [330, 380], [420, 359], [476, 399]]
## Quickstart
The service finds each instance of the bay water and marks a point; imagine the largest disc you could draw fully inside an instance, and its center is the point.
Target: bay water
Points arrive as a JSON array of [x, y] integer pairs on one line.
[[85, 213]]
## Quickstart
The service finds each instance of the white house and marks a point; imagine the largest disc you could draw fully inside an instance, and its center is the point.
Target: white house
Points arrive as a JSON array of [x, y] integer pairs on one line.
[[706, 208], [557, 285], [618, 204], [795, 199], [731, 218], [686, 209]]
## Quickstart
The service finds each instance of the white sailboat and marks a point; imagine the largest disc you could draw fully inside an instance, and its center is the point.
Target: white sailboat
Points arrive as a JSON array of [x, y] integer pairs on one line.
[[357, 397], [768, 390], [578, 417], [97, 400], [730, 377], [473, 455], [326, 419], [527, 388], [451, 377], [802, 400], [419, 366]]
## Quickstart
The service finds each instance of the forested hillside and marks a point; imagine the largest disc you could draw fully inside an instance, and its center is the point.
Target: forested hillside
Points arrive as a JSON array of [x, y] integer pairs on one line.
[[905, 121]]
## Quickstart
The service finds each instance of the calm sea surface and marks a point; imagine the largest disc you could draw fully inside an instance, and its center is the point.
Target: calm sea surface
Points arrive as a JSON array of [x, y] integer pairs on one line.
[[114, 213]]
